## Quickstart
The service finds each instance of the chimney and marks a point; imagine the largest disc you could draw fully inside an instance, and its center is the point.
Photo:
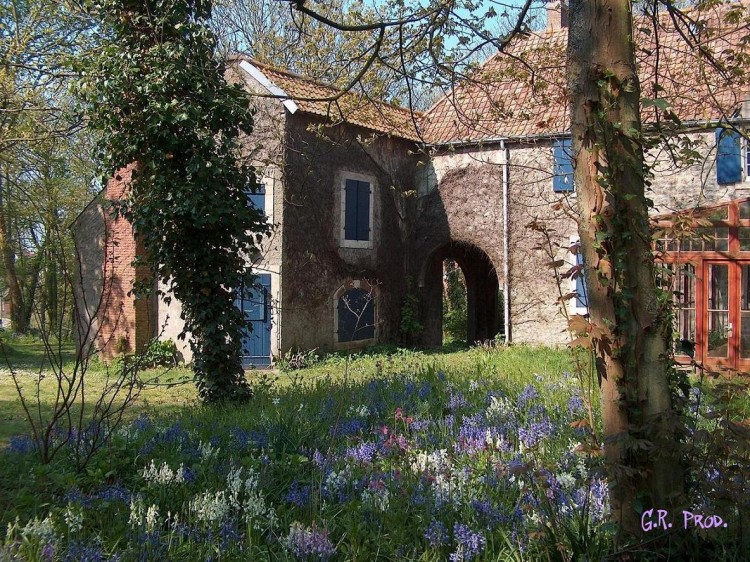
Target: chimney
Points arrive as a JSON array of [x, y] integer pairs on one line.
[[557, 15]]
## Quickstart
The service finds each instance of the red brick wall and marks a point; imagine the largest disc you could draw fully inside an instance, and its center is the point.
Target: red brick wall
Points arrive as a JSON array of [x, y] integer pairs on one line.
[[127, 323]]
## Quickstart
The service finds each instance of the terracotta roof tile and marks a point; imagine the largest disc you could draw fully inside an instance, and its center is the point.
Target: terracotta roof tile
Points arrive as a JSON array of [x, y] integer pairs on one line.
[[317, 99], [524, 92]]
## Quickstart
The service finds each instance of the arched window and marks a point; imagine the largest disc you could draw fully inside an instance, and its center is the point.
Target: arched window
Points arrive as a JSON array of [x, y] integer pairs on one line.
[[356, 315]]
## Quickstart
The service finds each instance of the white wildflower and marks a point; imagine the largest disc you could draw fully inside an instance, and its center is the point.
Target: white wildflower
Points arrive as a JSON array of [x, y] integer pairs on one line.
[[210, 507], [435, 461], [207, 451], [566, 480], [73, 519], [377, 498], [152, 517], [136, 513], [42, 530], [360, 411]]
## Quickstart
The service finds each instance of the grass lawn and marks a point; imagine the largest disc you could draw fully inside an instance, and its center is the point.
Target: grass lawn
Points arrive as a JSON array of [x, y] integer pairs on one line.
[[388, 455]]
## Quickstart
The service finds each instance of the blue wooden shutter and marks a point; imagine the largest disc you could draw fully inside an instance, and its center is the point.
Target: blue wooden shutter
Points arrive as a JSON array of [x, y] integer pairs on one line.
[[350, 210], [582, 297], [363, 210], [728, 157], [563, 167], [257, 199]]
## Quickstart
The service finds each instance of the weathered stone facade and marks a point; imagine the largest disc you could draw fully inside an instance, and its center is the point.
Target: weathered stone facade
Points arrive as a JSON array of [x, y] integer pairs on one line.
[[483, 199]]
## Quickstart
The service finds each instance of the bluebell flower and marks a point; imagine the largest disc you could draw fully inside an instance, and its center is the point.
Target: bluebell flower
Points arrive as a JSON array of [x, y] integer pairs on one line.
[[528, 394], [363, 453], [21, 444], [348, 427], [298, 495], [468, 543], [81, 552], [259, 439], [424, 391], [536, 431], [309, 543], [141, 423], [114, 493], [75, 496], [456, 401], [575, 404], [436, 534]]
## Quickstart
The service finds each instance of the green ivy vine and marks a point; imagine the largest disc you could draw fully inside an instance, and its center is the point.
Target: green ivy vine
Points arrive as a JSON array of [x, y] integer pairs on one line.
[[158, 95]]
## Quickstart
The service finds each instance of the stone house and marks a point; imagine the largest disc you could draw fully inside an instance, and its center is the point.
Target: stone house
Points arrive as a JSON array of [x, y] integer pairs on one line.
[[368, 199]]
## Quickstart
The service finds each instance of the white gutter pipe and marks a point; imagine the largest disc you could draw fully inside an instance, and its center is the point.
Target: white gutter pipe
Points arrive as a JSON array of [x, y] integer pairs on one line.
[[506, 242]]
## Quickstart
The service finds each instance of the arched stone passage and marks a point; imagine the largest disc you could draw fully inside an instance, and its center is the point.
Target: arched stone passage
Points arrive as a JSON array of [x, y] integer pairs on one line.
[[482, 287]]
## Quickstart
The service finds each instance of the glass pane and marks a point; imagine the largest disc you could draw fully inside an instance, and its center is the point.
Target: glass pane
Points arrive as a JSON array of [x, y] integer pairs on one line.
[[745, 312], [718, 310], [744, 234], [722, 239], [745, 210], [684, 302], [718, 214]]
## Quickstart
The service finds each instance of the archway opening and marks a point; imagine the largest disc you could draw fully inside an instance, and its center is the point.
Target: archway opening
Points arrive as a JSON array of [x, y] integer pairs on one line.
[[461, 296], [455, 320]]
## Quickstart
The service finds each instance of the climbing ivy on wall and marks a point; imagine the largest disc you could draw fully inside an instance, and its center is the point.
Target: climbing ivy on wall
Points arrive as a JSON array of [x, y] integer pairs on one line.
[[158, 96]]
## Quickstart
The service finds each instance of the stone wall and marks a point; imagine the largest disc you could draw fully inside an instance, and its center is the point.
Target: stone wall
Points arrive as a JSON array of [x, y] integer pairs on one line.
[[315, 265]]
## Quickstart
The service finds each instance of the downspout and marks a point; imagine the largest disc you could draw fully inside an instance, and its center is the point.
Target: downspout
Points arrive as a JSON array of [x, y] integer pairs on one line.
[[506, 243]]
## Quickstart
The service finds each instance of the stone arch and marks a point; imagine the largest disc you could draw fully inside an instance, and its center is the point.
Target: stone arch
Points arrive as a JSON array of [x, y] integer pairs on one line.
[[484, 317]]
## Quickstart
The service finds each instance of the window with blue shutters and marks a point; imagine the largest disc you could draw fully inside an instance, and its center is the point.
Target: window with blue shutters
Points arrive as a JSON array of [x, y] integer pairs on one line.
[[729, 168], [563, 166], [356, 212], [356, 315]]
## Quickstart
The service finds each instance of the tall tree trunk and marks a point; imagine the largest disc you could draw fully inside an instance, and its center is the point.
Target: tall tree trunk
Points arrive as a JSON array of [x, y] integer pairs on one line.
[[15, 297], [628, 326]]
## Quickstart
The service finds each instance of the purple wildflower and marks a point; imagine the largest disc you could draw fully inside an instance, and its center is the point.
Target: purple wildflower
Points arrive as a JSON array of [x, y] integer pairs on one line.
[[319, 459], [114, 493], [21, 444], [424, 391], [528, 394], [535, 432], [468, 543], [363, 453], [456, 401], [309, 543], [76, 496], [48, 552], [298, 495], [575, 404], [436, 534]]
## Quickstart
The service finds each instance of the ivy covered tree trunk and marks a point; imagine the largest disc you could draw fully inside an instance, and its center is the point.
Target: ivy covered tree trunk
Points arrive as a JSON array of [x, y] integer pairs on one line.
[[628, 328], [158, 94]]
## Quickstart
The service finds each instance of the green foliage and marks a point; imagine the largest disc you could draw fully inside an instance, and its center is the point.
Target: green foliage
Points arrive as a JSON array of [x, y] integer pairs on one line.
[[410, 324], [160, 353], [160, 99], [455, 320]]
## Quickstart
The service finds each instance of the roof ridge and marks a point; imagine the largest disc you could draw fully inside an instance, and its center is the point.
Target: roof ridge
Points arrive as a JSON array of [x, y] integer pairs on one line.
[[319, 83]]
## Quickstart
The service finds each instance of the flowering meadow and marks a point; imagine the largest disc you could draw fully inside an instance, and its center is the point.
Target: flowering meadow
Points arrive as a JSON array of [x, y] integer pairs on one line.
[[423, 465]]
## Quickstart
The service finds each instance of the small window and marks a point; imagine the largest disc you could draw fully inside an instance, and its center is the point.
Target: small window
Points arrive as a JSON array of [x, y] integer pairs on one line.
[[746, 157], [356, 315], [563, 166], [257, 198], [730, 157], [356, 212]]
